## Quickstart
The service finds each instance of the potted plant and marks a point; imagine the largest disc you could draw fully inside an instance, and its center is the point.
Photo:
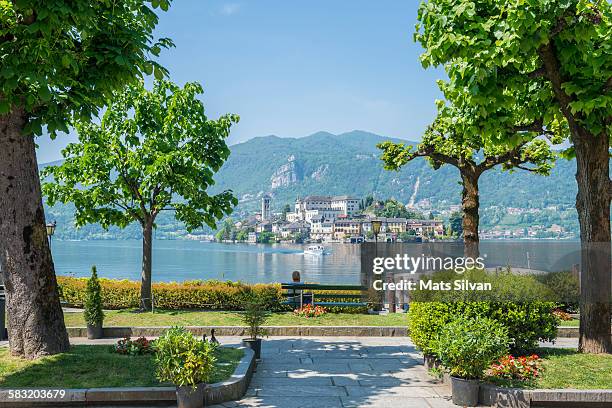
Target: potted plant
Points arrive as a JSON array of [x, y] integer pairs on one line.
[[466, 347], [93, 314], [255, 315], [187, 362]]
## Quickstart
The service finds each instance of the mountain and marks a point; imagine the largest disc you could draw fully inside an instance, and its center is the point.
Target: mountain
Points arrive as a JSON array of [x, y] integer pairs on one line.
[[328, 164]]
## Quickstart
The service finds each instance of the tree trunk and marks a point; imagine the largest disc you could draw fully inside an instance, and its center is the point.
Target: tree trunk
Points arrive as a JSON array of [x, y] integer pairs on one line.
[[593, 205], [35, 319], [470, 203], [146, 301]]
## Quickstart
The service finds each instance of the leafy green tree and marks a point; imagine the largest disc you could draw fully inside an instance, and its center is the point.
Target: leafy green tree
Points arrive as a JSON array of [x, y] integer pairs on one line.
[[395, 209], [546, 64], [456, 223], [242, 235], [266, 237], [152, 151], [227, 230], [446, 141], [57, 59]]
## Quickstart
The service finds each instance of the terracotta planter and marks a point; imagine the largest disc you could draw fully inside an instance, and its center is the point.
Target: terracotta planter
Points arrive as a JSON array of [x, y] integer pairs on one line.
[[465, 392], [255, 345], [95, 332], [190, 397]]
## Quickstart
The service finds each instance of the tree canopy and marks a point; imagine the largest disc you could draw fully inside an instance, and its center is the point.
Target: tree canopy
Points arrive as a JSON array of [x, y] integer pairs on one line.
[[59, 58], [152, 151]]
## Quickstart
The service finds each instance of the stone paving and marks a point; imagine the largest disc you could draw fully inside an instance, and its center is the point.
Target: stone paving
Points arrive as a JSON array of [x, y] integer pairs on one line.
[[342, 372]]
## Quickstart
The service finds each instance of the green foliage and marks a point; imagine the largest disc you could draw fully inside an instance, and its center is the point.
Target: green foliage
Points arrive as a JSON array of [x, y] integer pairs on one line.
[[566, 288], [182, 359], [59, 58], [456, 224], [227, 231], [215, 295], [468, 346], [455, 139], [255, 315], [152, 151], [92, 312], [539, 62], [266, 237], [395, 209], [522, 304]]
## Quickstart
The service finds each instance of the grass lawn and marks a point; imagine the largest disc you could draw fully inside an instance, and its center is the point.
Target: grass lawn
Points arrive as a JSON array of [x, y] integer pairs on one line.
[[87, 366], [566, 368], [199, 318], [570, 323]]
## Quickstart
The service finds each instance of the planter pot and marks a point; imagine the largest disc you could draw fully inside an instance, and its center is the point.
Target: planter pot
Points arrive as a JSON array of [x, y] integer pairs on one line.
[[465, 392], [253, 344], [190, 397], [95, 332]]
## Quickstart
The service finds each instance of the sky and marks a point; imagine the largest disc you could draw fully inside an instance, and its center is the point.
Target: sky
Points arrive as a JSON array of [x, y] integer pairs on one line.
[[295, 68]]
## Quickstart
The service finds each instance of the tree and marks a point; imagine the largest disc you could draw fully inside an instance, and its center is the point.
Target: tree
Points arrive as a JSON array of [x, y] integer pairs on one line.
[[456, 223], [446, 142], [152, 151], [57, 59], [227, 230], [552, 57], [394, 209], [286, 209]]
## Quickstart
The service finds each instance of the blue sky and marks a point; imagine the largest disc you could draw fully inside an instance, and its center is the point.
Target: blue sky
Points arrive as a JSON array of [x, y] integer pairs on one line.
[[294, 68]]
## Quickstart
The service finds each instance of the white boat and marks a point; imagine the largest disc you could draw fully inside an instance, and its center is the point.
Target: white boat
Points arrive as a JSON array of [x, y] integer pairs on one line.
[[316, 250]]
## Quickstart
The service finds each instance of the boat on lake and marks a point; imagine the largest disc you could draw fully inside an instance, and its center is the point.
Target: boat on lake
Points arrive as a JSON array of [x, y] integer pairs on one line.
[[317, 250]]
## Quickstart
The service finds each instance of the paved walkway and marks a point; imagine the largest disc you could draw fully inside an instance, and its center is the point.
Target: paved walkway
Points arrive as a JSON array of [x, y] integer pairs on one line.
[[330, 372]]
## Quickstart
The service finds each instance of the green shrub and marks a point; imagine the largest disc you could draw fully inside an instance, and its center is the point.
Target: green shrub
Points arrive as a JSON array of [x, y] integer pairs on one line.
[[255, 315], [215, 295], [566, 288], [93, 313], [182, 359], [468, 346], [520, 303]]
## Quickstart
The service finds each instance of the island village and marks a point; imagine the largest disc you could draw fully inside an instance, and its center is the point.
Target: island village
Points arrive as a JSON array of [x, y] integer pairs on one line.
[[332, 219]]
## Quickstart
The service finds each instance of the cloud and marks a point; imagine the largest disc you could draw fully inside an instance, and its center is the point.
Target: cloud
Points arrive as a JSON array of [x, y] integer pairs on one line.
[[229, 9]]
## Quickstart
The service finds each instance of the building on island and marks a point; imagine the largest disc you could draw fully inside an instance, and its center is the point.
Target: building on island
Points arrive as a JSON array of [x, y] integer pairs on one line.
[[265, 207]]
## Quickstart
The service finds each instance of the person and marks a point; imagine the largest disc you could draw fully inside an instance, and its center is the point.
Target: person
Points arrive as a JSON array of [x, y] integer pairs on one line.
[[299, 299]]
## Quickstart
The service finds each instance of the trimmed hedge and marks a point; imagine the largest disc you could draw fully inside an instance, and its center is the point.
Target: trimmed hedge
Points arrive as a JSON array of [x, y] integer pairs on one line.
[[211, 295], [214, 295], [520, 303]]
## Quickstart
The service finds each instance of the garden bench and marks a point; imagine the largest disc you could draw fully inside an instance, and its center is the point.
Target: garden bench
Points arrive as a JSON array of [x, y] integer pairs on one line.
[[299, 294]]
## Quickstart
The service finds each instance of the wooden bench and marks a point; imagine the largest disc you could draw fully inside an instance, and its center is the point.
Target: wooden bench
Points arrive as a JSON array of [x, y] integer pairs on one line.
[[299, 294]]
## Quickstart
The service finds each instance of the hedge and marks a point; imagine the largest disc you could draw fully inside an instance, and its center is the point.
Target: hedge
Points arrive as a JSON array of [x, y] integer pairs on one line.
[[213, 295], [520, 303]]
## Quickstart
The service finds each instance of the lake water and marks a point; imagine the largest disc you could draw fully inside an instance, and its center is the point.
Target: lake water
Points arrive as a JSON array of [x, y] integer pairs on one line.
[[189, 260]]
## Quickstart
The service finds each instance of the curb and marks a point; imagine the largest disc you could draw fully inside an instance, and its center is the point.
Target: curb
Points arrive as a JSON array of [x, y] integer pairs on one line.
[[491, 395], [350, 331], [230, 390], [494, 396]]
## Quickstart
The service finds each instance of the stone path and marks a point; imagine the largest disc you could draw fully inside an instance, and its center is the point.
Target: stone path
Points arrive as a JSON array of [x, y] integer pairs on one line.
[[330, 372]]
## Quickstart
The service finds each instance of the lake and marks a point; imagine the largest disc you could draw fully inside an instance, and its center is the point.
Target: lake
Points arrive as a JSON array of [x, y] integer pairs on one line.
[[188, 260]]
